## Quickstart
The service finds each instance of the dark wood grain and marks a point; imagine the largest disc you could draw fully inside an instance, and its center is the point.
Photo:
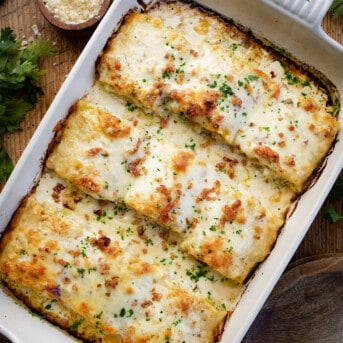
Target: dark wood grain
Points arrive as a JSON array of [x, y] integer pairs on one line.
[[306, 306]]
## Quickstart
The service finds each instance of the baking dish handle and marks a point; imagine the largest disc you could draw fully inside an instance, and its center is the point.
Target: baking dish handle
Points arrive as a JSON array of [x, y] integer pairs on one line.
[[308, 12]]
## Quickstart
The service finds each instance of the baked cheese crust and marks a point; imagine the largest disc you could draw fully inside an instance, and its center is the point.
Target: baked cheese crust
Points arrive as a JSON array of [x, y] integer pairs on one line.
[[273, 113], [221, 224], [93, 259]]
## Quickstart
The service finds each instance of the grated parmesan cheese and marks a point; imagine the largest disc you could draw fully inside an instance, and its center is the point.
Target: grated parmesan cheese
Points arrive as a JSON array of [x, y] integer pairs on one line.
[[74, 11]]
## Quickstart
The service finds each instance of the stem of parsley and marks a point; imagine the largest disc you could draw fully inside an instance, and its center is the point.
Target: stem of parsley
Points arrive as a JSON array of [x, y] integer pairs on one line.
[[19, 85]]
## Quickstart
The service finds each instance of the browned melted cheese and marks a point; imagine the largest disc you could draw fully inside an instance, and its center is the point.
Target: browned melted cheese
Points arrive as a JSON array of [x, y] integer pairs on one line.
[[86, 259], [270, 110]]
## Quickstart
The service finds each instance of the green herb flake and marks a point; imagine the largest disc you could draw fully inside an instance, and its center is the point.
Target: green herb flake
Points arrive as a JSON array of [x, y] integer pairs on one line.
[[226, 90], [130, 106], [75, 325], [291, 79], [81, 272], [124, 313]]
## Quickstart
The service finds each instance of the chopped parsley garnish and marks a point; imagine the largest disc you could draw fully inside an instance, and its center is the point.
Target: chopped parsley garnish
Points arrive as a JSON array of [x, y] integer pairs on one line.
[[130, 106], [124, 313], [251, 78], [75, 325], [199, 271], [291, 79], [165, 74], [226, 90]]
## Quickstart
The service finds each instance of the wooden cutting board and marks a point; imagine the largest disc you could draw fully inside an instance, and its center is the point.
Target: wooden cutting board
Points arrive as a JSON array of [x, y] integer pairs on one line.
[[305, 306]]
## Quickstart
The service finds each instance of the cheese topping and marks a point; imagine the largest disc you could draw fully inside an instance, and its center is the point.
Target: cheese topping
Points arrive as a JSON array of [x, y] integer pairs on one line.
[[173, 184], [119, 273], [273, 114], [74, 11]]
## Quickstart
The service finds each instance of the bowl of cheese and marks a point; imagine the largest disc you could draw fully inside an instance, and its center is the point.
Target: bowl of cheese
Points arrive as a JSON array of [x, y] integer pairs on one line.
[[74, 15]]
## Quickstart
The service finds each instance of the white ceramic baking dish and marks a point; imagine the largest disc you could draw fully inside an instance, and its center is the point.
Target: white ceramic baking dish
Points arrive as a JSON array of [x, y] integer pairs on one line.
[[294, 25]]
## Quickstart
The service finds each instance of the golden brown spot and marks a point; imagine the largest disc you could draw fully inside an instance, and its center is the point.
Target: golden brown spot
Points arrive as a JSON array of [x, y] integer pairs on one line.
[[170, 68], [168, 334], [232, 212], [136, 147], [139, 267], [257, 232], [194, 53], [202, 27], [84, 308], [214, 255], [104, 268], [228, 166], [248, 88], [267, 153], [129, 290], [105, 245], [209, 100], [113, 64], [275, 91], [133, 166], [33, 269], [209, 193], [112, 126], [146, 303], [181, 161], [112, 283], [57, 192], [93, 151], [164, 122], [289, 160], [194, 110], [87, 183], [266, 80], [309, 105], [166, 203], [236, 101], [156, 296]]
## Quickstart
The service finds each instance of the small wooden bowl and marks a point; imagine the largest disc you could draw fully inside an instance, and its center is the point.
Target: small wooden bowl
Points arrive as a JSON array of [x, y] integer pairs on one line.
[[81, 27]]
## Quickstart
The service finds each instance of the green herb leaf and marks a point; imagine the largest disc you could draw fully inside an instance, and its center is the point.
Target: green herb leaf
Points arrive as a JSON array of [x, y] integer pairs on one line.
[[19, 85], [331, 214], [336, 8], [6, 165]]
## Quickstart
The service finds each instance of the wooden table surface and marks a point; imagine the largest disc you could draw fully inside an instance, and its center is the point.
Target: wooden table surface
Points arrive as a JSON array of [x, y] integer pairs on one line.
[[24, 18]]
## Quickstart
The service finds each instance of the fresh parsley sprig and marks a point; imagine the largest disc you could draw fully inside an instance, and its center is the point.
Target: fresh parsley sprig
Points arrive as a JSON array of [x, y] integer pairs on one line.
[[19, 85], [336, 192], [336, 8]]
